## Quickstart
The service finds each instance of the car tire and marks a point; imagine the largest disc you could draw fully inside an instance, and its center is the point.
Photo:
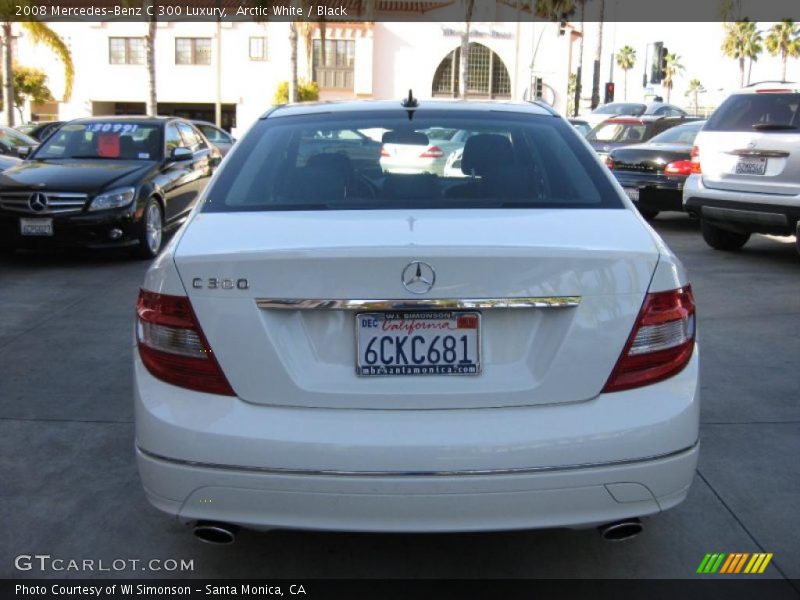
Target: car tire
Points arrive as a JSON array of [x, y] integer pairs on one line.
[[150, 231], [722, 239], [648, 213]]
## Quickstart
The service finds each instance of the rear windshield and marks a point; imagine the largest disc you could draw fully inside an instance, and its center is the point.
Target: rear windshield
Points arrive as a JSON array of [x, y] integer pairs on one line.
[[384, 160], [620, 109], [628, 132], [757, 112], [682, 134]]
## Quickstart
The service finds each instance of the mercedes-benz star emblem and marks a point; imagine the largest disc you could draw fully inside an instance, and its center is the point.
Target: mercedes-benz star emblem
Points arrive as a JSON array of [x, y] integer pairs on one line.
[[418, 277], [37, 202]]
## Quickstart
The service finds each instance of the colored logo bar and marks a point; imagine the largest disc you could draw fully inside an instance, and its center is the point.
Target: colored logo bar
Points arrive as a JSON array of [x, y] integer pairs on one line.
[[737, 562]]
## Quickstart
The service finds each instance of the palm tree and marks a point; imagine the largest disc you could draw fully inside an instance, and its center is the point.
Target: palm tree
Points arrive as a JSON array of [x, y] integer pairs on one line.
[[626, 59], [150, 61], [742, 41], [694, 90], [464, 58], [784, 38], [672, 67], [40, 34]]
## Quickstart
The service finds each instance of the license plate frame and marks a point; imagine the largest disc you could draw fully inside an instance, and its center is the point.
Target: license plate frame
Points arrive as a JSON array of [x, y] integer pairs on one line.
[[633, 193], [751, 165], [41, 227], [401, 319]]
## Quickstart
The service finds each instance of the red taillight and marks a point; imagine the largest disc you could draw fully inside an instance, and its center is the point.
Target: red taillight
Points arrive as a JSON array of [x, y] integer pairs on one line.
[[172, 345], [696, 161], [679, 167], [661, 342], [610, 162], [384, 152], [432, 152], [774, 91]]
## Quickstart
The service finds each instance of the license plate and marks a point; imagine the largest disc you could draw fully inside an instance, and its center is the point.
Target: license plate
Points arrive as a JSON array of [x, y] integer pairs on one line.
[[418, 343], [36, 227], [751, 166], [633, 193]]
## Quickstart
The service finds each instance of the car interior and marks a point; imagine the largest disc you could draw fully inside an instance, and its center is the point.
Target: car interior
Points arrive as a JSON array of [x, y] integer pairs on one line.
[[519, 166]]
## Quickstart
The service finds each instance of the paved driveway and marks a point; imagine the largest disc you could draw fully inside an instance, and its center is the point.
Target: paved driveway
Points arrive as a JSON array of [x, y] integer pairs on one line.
[[70, 489]]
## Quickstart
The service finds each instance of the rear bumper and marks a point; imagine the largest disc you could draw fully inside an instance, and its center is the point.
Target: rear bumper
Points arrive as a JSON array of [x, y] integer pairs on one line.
[[742, 211], [657, 193], [87, 230], [204, 457]]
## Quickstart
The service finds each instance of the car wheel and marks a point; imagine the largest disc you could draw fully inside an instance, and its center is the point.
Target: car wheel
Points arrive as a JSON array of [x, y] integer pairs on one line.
[[722, 239], [151, 231], [648, 213]]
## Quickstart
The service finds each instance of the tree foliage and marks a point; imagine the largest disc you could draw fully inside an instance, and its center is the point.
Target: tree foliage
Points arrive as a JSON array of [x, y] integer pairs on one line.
[[307, 91]]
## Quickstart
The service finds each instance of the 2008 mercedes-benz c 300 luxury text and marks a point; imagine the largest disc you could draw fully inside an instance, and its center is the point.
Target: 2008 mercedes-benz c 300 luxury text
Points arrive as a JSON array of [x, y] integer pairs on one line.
[[329, 346]]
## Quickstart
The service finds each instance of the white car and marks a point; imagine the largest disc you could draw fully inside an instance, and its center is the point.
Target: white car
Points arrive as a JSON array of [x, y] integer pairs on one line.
[[325, 348], [746, 167]]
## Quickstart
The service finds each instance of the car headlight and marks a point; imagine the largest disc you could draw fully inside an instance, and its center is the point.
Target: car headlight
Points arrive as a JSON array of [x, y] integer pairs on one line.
[[113, 199]]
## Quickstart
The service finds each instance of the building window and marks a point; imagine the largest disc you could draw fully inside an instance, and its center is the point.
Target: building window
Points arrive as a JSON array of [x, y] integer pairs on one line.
[[334, 71], [192, 51], [126, 51], [487, 76], [258, 48]]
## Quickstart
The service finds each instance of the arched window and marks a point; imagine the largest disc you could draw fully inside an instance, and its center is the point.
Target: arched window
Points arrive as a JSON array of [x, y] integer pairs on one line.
[[487, 77]]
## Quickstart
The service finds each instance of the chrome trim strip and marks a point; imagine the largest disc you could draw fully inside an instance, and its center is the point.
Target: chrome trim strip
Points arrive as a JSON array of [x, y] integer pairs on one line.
[[468, 472], [759, 153], [413, 304]]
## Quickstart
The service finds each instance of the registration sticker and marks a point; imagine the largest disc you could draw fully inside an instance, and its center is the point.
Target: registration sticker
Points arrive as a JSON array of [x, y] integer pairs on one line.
[[144, 155]]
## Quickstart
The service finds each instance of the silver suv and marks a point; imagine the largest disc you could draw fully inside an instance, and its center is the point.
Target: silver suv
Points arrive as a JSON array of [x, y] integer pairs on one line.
[[746, 167]]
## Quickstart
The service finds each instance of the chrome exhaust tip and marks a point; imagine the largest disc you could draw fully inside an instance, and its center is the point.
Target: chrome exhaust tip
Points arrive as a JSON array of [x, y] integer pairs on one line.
[[215, 533], [621, 530]]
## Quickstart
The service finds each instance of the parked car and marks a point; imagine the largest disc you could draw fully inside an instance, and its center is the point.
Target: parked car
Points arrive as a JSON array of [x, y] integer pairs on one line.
[[633, 109], [653, 173], [6, 162], [15, 143], [625, 131], [420, 151], [325, 348], [106, 182], [746, 167], [582, 125], [40, 130], [219, 137]]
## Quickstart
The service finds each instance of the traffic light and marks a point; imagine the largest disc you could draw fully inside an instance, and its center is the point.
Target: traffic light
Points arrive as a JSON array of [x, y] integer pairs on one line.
[[655, 63], [609, 96], [663, 62], [538, 87], [562, 28]]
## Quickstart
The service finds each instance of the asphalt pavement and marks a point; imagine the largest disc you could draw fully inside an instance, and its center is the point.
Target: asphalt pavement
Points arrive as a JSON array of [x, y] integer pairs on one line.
[[69, 486]]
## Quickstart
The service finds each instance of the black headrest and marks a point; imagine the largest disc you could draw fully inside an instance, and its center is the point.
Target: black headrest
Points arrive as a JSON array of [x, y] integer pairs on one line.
[[484, 152], [127, 147], [329, 160]]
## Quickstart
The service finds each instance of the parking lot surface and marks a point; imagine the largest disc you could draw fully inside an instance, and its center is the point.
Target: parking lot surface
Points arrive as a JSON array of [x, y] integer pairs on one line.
[[70, 488]]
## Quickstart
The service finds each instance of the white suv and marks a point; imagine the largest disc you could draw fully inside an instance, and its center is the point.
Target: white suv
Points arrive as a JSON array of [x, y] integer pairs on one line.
[[746, 167]]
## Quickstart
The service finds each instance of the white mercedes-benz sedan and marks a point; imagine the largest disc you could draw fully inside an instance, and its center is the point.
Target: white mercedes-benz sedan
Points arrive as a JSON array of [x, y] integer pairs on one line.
[[326, 345]]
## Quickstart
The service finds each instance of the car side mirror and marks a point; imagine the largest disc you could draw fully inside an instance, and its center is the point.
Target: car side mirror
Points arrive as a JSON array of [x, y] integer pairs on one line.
[[23, 151], [180, 154]]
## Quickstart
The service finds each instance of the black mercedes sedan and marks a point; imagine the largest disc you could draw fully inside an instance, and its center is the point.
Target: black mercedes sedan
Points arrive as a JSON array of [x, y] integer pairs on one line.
[[106, 182], [653, 174]]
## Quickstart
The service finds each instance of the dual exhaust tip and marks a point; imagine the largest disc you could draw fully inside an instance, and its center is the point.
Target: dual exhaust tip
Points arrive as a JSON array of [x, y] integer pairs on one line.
[[222, 534]]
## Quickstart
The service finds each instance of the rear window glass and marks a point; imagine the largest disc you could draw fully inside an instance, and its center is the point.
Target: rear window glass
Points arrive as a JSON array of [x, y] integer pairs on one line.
[[628, 132], [383, 160], [754, 112], [682, 134]]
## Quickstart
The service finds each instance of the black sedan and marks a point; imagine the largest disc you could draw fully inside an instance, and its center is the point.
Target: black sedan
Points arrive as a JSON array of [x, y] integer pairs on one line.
[[15, 143], [40, 130], [106, 182], [625, 131], [653, 174]]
